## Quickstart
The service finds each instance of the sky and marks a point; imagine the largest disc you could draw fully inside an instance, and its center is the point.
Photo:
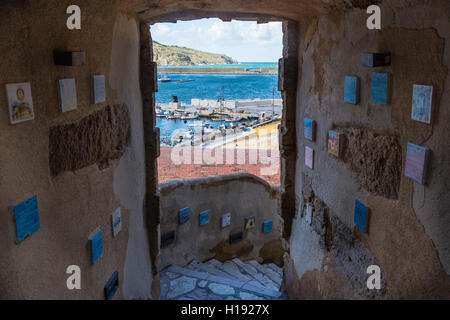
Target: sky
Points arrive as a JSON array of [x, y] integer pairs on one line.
[[245, 41]]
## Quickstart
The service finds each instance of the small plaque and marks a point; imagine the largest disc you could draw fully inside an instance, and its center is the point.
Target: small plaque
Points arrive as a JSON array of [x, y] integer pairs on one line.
[[380, 88], [204, 218], [421, 103], [96, 244], [351, 91], [334, 143], [309, 212], [226, 220], [99, 88], [184, 215], [20, 102], [116, 218], [112, 286], [309, 157], [267, 226], [309, 129], [236, 237], [360, 217], [67, 94], [69, 58], [167, 238], [416, 159], [376, 59], [26, 216], [249, 222]]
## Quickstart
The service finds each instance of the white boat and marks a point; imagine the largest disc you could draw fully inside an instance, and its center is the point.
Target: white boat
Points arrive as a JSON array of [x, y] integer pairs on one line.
[[189, 116], [164, 79]]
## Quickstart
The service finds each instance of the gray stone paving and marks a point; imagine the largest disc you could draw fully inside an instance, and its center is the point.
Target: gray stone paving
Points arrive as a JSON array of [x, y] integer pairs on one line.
[[214, 280]]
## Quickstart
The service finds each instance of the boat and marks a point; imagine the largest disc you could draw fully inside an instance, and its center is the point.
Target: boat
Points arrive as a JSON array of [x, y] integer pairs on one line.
[[172, 116], [164, 79], [189, 116]]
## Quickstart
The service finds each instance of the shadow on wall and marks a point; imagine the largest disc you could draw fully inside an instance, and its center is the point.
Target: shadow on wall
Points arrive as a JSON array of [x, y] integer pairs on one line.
[[220, 217]]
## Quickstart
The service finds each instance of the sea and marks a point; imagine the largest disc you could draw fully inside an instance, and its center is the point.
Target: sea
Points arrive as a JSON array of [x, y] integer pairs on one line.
[[211, 87]]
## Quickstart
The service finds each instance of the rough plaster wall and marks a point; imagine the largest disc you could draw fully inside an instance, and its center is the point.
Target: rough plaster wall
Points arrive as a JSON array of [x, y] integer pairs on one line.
[[408, 236], [72, 204], [243, 195], [129, 176]]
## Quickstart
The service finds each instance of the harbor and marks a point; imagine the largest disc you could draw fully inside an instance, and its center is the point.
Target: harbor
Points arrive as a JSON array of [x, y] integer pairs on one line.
[[204, 121]]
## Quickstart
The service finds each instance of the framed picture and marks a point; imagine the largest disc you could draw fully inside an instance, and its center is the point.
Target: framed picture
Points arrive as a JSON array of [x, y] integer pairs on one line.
[[204, 217], [334, 143], [249, 222], [416, 160], [99, 88], [309, 157], [351, 90], [309, 129], [20, 102], [380, 88], [226, 219], [67, 94], [421, 103]]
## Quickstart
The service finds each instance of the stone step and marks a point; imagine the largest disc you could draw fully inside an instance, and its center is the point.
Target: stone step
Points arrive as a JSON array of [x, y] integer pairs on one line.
[[202, 267], [268, 272], [215, 282], [232, 270], [275, 268], [253, 272]]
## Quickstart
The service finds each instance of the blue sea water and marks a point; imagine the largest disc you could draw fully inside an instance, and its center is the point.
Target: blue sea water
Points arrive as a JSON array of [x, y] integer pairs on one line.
[[208, 86]]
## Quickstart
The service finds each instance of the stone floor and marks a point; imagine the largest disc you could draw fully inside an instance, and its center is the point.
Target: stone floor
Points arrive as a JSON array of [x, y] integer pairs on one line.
[[214, 280]]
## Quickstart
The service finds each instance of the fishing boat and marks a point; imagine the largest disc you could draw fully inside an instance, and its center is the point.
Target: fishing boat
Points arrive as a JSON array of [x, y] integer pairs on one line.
[[174, 115], [164, 79], [189, 116]]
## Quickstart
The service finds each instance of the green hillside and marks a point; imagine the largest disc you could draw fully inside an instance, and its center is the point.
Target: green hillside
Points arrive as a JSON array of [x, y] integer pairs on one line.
[[180, 56]]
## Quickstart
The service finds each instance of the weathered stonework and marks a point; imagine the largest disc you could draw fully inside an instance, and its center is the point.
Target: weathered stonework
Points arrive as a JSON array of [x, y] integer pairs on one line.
[[96, 139], [375, 158]]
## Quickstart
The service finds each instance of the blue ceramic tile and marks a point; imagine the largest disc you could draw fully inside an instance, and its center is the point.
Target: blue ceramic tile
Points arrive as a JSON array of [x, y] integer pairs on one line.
[[96, 240], [204, 218], [184, 215], [360, 217], [380, 88], [351, 90], [267, 226], [26, 215]]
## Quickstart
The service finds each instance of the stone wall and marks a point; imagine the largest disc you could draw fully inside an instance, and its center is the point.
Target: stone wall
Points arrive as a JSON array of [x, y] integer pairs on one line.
[[408, 222], [242, 195], [81, 164]]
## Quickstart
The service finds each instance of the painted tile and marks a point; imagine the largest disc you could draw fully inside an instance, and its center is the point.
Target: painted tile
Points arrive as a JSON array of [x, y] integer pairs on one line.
[[20, 102], [99, 88], [26, 216], [184, 215], [67, 94], [309, 129], [267, 226], [204, 217], [249, 222], [96, 244], [351, 90], [226, 220], [309, 157], [416, 158], [360, 217], [421, 103], [334, 143], [380, 88], [116, 218]]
